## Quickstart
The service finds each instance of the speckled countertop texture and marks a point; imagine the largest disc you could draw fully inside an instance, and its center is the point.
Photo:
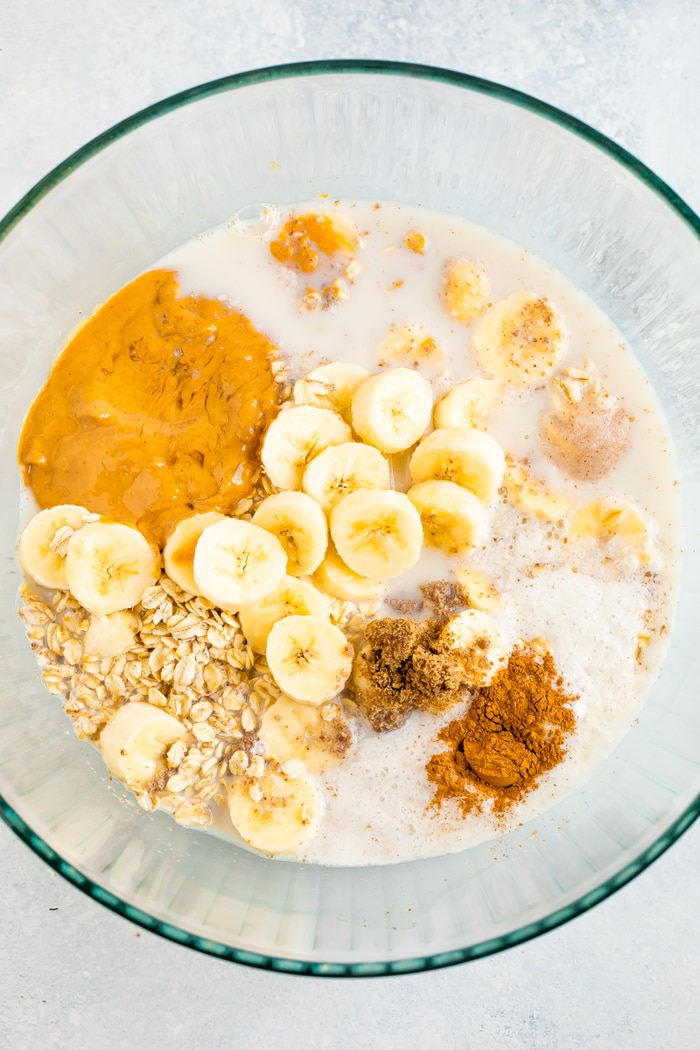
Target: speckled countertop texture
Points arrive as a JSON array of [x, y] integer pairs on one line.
[[72, 974]]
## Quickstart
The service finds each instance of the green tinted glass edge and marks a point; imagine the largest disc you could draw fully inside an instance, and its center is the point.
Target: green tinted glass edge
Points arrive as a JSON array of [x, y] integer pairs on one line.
[[395, 966]]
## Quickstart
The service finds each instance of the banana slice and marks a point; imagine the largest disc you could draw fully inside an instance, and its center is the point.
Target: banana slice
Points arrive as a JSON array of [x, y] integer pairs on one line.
[[468, 457], [178, 553], [236, 562], [135, 741], [452, 516], [277, 813], [299, 524], [335, 578], [109, 636], [532, 494], [465, 287], [478, 589], [475, 636], [109, 566], [318, 737], [295, 437], [391, 410], [614, 519], [467, 404], [292, 597], [520, 340], [310, 658], [330, 386], [341, 469], [410, 343], [377, 533], [44, 541]]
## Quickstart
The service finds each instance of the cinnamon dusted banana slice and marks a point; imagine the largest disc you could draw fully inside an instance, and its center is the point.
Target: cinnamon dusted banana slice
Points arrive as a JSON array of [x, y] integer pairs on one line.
[[293, 597], [109, 566], [475, 636], [319, 737], [309, 658], [377, 533], [135, 741], [614, 519], [520, 340], [412, 344], [178, 553], [478, 589], [469, 458], [465, 288], [43, 544], [467, 404], [391, 410], [294, 437], [341, 469], [299, 524], [236, 563], [330, 386], [278, 812], [335, 578], [532, 494], [452, 516]]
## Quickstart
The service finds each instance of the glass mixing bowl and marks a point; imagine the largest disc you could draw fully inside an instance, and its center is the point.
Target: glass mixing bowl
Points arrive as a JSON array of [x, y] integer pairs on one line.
[[374, 131]]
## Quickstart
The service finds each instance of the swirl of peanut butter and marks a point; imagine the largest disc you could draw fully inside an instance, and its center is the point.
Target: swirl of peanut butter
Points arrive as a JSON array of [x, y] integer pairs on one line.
[[154, 410]]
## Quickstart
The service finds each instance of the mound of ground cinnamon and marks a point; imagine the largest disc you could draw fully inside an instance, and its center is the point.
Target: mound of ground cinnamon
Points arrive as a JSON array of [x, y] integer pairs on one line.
[[515, 729]]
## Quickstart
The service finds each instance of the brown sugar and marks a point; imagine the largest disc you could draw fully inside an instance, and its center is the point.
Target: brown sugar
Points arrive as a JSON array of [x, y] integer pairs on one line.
[[515, 729], [404, 666]]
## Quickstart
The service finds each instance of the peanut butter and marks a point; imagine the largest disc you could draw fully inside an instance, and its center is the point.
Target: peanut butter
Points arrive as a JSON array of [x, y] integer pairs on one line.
[[154, 410]]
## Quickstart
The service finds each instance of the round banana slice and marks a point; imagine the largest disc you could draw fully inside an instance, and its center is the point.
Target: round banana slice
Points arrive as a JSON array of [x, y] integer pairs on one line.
[[109, 566], [453, 518], [335, 578], [276, 813], [236, 562], [178, 553], [317, 737], [478, 589], [310, 658], [614, 519], [465, 287], [410, 343], [330, 386], [520, 340], [475, 636], [378, 533], [470, 458], [135, 741], [294, 437], [43, 544], [110, 636], [532, 494], [299, 524], [293, 597], [392, 409], [341, 469], [467, 404]]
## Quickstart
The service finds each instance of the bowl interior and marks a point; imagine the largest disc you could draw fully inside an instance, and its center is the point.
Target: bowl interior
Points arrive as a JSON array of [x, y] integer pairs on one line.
[[355, 131]]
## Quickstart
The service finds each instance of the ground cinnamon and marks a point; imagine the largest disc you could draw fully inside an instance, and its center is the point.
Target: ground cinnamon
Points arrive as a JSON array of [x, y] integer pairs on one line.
[[514, 730]]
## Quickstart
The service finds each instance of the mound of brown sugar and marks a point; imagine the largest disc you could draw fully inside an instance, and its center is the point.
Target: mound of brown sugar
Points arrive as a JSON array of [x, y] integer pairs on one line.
[[404, 665]]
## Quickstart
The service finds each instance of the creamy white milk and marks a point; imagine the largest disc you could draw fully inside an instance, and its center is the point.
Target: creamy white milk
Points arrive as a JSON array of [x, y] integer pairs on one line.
[[588, 609]]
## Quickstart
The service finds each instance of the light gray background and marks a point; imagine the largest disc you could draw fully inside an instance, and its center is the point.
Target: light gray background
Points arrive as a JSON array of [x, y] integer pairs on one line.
[[71, 973]]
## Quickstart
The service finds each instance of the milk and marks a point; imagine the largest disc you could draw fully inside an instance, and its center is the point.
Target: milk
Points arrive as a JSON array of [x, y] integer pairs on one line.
[[377, 803]]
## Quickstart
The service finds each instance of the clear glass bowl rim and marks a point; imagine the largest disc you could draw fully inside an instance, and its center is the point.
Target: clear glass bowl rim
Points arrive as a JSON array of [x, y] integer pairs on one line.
[[232, 83]]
